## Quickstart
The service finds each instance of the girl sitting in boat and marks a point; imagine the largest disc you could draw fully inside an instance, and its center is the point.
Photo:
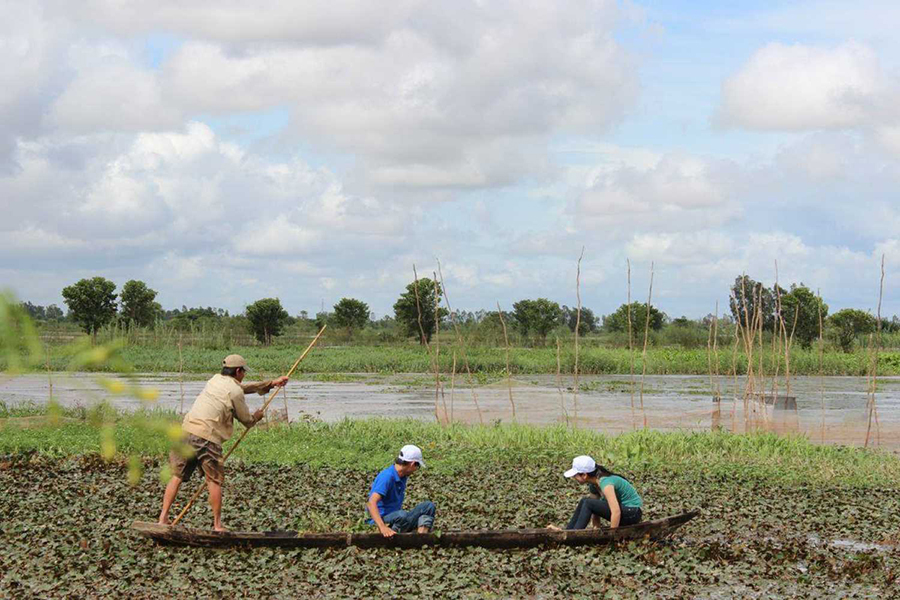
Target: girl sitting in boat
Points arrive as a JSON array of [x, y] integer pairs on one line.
[[612, 496]]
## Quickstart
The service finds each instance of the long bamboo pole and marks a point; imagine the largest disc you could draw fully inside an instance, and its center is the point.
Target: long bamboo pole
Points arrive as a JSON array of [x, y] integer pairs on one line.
[[244, 434]]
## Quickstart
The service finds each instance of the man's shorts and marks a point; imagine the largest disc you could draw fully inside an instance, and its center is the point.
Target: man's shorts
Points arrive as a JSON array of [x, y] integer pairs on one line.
[[207, 454]]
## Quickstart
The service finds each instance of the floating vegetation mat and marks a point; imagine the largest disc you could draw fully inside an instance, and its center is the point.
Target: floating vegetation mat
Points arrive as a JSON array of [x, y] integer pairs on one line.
[[66, 533]]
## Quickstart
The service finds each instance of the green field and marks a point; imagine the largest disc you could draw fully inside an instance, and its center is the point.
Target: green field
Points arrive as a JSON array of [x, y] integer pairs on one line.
[[412, 358], [777, 513]]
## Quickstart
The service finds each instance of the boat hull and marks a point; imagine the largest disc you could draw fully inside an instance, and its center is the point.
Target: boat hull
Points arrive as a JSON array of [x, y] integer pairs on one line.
[[510, 538]]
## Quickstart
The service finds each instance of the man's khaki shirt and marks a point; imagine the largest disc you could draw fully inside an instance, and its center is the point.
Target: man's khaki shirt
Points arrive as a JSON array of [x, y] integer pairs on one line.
[[212, 414]]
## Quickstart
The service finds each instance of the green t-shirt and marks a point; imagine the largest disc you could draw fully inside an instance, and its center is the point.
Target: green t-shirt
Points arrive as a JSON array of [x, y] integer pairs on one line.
[[625, 492]]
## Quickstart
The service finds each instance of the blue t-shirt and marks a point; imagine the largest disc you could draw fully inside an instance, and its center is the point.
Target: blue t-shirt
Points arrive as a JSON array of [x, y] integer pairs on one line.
[[392, 489]]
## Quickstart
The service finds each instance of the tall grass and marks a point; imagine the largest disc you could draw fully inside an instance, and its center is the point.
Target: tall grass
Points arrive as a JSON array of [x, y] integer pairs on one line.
[[372, 443]]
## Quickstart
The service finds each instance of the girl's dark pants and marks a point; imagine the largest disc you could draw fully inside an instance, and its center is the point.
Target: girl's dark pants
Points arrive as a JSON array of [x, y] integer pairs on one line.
[[599, 506]]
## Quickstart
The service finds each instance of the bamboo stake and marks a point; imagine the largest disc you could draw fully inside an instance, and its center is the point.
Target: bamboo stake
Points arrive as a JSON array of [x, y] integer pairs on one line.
[[577, 325], [180, 374], [459, 340], [508, 374], [437, 348], [287, 417], [630, 345], [434, 365], [562, 401], [872, 409], [821, 361], [247, 430], [452, 385], [644, 352]]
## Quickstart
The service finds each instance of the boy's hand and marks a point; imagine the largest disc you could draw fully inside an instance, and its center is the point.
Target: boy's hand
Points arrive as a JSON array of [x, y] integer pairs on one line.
[[258, 415], [280, 381], [387, 531]]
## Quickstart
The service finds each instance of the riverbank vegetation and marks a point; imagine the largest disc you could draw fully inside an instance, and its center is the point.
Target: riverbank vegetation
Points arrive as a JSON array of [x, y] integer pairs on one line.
[[780, 516]]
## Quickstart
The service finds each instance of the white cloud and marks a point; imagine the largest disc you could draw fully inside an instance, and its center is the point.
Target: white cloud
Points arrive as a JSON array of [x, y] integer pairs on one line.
[[801, 87]]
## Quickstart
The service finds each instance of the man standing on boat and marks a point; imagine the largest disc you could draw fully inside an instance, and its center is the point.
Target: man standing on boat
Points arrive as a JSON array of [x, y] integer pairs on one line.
[[208, 425], [385, 502]]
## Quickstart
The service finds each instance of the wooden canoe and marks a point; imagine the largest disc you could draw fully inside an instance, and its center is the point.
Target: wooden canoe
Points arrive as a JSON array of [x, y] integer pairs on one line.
[[509, 538]]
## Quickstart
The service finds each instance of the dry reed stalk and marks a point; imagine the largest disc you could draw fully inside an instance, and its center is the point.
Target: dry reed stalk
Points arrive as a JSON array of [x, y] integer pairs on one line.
[[49, 376], [287, 416], [508, 374], [644, 352], [180, 374], [716, 349], [462, 345], [821, 362], [577, 325], [562, 401], [762, 370], [709, 368], [434, 366], [787, 353], [873, 411], [452, 384], [630, 345]]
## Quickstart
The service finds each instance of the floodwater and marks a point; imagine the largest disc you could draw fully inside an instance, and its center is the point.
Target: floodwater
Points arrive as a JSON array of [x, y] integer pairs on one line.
[[828, 410]]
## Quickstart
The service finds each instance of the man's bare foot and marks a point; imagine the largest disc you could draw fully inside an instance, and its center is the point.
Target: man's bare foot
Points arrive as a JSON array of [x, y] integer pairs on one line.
[[220, 529], [553, 527], [163, 521]]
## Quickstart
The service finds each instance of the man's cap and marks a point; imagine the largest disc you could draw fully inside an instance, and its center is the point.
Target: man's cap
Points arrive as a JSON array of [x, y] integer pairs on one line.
[[411, 453], [581, 464], [234, 360]]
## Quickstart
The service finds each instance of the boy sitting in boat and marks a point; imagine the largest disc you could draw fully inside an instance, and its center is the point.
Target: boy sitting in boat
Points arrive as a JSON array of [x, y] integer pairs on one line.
[[612, 496], [208, 425], [385, 502]]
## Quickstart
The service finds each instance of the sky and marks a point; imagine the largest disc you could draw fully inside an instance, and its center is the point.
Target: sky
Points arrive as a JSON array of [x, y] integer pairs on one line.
[[226, 151]]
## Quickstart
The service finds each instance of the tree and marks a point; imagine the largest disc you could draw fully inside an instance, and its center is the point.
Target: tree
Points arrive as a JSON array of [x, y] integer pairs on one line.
[[850, 323], [802, 304], [53, 313], [539, 316], [352, 314], [92, 303], [746, 294], [138, 306], [589, 321], [618, 321], [408, 312], [267, 319], [35, 311]]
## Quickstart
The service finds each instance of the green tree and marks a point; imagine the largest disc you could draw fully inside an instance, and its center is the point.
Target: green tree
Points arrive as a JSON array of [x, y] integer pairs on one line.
[[92, 303], [801, 304], [589, 321], [539, 316], [267, 319], [352, 314], [618, 321], [53, 313], [746, 294], [408, 311], [849, 323], [138, 306]]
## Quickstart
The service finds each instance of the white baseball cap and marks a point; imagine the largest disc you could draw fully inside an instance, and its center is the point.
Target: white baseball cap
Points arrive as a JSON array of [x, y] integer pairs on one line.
[[581, 464], [411, 453]]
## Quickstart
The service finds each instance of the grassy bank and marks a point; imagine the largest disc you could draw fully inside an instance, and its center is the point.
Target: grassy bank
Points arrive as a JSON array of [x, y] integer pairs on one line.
[[772, 510], [487, 360]]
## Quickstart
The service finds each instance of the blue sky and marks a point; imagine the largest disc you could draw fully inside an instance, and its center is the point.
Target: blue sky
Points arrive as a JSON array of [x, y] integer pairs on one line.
[[312, 151]]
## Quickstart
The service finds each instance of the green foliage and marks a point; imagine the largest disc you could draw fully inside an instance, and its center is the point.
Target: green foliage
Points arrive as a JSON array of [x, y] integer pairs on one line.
[[352, 314], [138, 306], [267, 318], [538, 317], [92, 303], [589, 321], [618, 321], [849, 323], [416, 306], [746, 295], [802, 305], [19, 345]]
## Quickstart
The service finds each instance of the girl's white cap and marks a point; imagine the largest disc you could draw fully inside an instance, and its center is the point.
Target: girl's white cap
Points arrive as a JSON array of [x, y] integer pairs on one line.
[[581, 464]]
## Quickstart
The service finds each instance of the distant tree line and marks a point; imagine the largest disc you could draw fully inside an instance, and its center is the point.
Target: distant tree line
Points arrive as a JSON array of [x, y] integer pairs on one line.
[[795, 312]]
